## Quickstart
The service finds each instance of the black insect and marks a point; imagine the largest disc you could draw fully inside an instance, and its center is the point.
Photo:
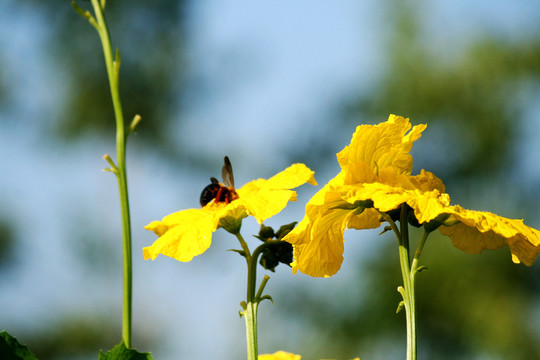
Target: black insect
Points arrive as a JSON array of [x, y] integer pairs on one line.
[[220, 192]]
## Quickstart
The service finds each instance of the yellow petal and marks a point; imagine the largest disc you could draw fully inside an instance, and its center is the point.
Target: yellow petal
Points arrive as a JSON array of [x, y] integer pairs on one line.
[[368, 219], [294, 176], [427, 181], [158, 227], [280, 355], [323, 255], [264, 203], [188, 234], [302, 232], [318, 238], [426, 205], [380, 146], [480, 230], [265, 198]]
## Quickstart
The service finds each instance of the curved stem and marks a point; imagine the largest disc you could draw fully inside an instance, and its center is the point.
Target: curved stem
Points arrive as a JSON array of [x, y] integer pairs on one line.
[[393, 225], [414, 265], [121, 174], [252, 275]]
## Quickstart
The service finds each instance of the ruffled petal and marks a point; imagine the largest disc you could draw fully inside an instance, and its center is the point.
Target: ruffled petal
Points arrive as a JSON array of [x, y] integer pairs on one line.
[[266, 202], [375, 178], [426, 205], [301, 234], [183, 235], [318, 240], [480, 230], [292, 177], [279, 355], [323, 255], [380, 146], [265, 198], [368, 219]]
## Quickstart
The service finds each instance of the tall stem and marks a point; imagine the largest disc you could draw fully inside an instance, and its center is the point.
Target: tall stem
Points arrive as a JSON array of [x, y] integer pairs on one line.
[[113, 65], [408, 285], [251, 304], [250, 314], [409, 301]]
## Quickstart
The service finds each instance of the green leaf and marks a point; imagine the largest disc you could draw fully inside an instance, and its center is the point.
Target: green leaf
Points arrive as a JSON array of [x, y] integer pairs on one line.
[[241, 252], [386, 228], [266, 297], [285, 229], [120, 352], [11, 349]]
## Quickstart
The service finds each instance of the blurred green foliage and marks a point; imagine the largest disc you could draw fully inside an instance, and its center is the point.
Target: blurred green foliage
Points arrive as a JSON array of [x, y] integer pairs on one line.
[[7, 242], [469, 306], [78, 336], [150, 37], [479, 91]]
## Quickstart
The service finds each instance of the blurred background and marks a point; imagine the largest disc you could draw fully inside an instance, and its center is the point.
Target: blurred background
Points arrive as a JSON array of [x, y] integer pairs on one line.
[[268, 84]]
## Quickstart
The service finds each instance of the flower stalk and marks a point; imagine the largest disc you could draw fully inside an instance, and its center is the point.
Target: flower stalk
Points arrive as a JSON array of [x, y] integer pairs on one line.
[[113, 66], [253, 298], [250, 315], [409, 269], [250, 305], [408, 284]]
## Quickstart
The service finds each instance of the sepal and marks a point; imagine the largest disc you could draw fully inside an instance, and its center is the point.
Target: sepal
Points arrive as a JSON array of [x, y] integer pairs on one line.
[[400, 306], [241, 252], [285, 229], [265, 233], [231, 224], [386, 228], [266, 297], [436, 223]]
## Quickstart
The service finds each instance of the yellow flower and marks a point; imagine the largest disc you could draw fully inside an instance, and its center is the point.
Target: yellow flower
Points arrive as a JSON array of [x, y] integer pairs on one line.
[[280, 355], [188, 233], [375, 178]]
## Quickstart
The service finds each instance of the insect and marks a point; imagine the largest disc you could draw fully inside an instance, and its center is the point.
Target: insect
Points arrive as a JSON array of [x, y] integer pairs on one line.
[[220, 192]]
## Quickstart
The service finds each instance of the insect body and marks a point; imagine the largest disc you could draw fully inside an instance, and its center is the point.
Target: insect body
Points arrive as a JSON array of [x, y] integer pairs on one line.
[[220, 192]]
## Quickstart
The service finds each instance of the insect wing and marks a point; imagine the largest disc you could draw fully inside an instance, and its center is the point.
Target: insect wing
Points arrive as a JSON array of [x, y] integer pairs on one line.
[[227, 173]]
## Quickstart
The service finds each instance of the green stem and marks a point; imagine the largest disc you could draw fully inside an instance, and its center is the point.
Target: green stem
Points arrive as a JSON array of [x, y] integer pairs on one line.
[[408, 285], [414, 265], [113, 65], [252, 273], [409, 301], [250, 314], [253, 299], [250, 306], [387, 217], [408, 273]]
